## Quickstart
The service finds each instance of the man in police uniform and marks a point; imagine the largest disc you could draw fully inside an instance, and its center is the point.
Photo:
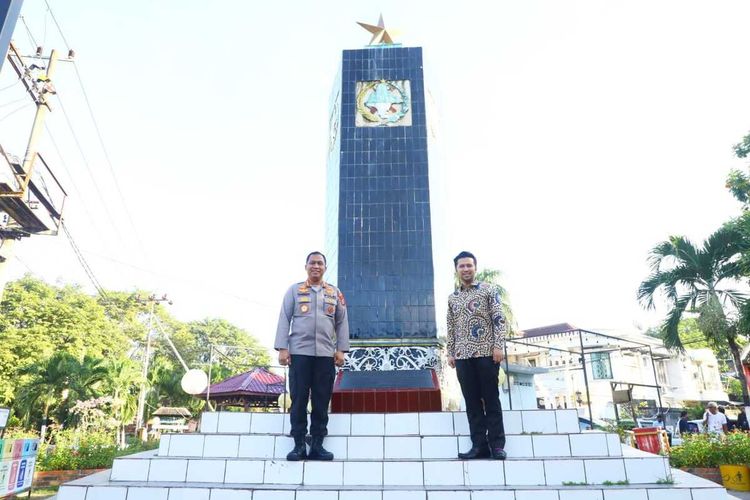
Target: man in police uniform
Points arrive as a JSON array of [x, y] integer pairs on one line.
[[318, 339]]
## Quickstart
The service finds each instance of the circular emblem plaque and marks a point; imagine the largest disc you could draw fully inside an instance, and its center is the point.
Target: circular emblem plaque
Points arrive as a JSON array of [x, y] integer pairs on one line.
[[383, 102]]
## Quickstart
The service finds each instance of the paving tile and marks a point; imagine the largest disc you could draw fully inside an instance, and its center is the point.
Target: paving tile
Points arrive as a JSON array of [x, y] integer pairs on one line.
[[461, 424], [164, 445], [536, 495], [645, 470], [403, 447], [256, 446], [436, 424], [519, 447], [186, 445], [209, 422], [567, 421], [553, 445], [580, 494], [368, 424], [106, 493], [273, 495], [234, 422], [140, 493], [539, 421], [439, 447], [71, 493], [558, 472], [206, 471], [492, 495], [484, 473], [244, 471], [627, 494], [317, 495], [443, 473], [323, 473], [267, 423], [365, 448], [524, 472], [222, 494], [404, 495], [512, 422], [589, 444], [363, 473], [168, 470], [403, 474], [600, 470], [189, 494], [339, 424], [448, 495], [360, 495], [130, 470], [283, 472], [401, 424], [664, 494], [221, 446]]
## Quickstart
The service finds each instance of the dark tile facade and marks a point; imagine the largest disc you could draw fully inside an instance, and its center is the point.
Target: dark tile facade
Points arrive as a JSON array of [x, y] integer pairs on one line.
[[383, 245]]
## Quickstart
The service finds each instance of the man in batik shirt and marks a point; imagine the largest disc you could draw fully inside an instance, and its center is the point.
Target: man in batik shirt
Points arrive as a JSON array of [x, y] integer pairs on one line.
[[476, 334]]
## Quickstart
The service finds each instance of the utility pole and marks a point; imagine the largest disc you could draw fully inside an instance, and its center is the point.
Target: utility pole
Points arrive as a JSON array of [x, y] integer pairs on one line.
[[20, 196], [152, 301]]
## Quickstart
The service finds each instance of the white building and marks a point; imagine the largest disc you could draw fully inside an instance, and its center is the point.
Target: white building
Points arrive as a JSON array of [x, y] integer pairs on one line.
[[639, 360]]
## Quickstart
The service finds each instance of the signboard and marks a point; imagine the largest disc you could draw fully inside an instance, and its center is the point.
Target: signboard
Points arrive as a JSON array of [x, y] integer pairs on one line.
[[17, 464], [4, 414]]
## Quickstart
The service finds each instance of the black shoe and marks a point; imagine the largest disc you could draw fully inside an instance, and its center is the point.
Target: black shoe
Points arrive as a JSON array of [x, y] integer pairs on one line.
[[300, 450], [317, 452], [475, 452], [498, 453]]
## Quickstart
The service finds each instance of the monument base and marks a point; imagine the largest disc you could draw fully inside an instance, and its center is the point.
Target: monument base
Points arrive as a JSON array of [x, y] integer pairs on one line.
[[396, 391]]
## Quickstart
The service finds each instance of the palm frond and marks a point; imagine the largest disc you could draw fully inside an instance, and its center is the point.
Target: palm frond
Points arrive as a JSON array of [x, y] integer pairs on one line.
[[670, 333]]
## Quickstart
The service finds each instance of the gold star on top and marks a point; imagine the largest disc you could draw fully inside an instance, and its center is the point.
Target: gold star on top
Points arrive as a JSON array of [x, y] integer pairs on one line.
[[380, 35]]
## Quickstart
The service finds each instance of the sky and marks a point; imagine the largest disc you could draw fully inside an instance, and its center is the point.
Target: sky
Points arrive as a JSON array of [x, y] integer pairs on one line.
[[573, 137]]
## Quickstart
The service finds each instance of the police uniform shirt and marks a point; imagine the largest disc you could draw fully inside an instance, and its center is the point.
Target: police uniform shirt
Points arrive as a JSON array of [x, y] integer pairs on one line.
[[313, 321]]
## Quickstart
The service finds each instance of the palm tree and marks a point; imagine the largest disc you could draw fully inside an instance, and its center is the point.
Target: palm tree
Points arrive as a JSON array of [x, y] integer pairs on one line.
[[493, 276], [694, 280], [123, 382], [49, 385]]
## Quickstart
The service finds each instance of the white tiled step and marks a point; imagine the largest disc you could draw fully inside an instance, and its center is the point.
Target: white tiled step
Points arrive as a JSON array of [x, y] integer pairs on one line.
[[394, 473], [393, 424], [261, 446], [214, 492]]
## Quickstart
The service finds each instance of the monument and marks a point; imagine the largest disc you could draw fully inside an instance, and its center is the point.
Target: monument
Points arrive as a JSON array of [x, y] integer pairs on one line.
[[379, 237]]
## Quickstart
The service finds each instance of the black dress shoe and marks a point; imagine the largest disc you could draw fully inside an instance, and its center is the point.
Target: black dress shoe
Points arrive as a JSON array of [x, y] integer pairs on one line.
[[498, 453], [475, 452]]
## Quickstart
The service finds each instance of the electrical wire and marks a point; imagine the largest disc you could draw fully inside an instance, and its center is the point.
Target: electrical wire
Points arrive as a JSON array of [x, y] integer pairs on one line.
[[99, 136], [82, 260], [11, 85], [16, 111], [13, 102], [88, 170], [28, 32]]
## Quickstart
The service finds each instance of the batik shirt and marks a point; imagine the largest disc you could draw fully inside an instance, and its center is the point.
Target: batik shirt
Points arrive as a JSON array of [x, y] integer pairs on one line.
[[476, 323]]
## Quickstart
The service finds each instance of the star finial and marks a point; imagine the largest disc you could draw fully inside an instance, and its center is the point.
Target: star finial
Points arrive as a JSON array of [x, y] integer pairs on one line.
[[380, 35]]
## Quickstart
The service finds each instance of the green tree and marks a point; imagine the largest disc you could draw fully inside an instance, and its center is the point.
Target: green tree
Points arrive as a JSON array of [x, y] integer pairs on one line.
[[123, 382], [494, 276], [695, 280]]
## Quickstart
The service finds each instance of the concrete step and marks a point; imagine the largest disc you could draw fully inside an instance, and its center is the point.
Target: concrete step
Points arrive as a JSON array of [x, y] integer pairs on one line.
[[395, 473], [99, 487], [393, 424], [264, 446]]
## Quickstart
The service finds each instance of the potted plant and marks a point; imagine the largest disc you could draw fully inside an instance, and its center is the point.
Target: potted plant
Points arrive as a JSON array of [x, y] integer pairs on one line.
[[735, 458], [700, 455]]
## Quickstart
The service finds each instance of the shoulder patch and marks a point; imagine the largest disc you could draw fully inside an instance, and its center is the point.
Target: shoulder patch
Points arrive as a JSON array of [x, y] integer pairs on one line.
[[342, 301]]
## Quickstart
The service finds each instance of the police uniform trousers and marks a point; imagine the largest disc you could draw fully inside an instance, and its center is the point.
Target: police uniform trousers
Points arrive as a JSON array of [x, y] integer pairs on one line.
[[310, 378], [478, 379]]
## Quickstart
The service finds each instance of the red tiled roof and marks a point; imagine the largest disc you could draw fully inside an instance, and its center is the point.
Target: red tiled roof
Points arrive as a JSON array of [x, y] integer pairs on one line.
[[256, 381], [548, 330]]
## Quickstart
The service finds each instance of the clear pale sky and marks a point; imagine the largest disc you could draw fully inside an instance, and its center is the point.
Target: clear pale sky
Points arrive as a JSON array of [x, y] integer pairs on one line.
[[574, 136]]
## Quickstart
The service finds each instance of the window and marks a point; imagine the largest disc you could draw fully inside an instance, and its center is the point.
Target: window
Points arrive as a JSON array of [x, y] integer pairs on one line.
[[600, 365]]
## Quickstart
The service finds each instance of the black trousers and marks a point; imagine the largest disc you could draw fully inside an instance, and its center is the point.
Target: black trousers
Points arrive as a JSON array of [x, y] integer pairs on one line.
[[310, 378], [478, 378]]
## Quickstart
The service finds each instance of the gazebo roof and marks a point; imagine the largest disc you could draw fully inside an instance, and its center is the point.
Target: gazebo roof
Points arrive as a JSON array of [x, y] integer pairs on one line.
[[256, 382]]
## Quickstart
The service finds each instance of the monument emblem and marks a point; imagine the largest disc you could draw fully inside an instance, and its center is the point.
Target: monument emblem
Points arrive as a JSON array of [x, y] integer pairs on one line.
[[383, 103]]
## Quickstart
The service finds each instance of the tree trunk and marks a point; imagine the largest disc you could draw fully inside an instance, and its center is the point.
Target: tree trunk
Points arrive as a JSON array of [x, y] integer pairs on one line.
[[43, 430], [735, 349]]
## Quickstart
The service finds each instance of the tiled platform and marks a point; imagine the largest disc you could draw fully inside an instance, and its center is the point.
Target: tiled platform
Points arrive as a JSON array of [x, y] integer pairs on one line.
[[240, 456]]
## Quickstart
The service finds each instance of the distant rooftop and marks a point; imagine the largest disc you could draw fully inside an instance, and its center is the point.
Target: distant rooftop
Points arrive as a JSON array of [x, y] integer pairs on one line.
[[547, 330]]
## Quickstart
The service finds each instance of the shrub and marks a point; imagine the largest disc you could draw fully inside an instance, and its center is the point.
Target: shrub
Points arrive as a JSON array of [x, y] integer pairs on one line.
[[708, 450], [75, 450]]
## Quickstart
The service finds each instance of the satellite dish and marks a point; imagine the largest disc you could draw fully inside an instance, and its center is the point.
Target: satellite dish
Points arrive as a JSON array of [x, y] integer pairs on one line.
[[194, 381]]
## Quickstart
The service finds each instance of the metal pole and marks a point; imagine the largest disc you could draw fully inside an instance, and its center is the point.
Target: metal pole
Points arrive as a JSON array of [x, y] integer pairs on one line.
[[507, 375], [656, 380], [586, 379], [617, 413], [144, 373], [210, 367]]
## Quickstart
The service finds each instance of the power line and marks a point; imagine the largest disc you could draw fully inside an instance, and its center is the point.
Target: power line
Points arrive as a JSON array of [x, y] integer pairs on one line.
[[88, 170], [54, 19], [82, 260], [16, 110], [11, 85], [28, 32], [100, 137]]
